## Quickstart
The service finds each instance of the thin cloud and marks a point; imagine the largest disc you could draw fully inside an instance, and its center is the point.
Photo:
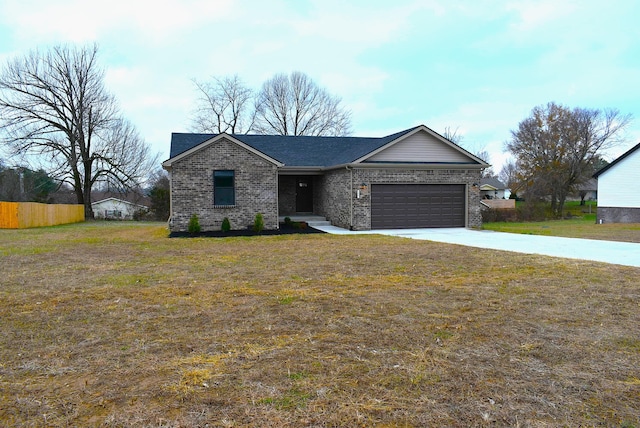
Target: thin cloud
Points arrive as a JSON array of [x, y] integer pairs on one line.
[[79, 21], [534, 15]]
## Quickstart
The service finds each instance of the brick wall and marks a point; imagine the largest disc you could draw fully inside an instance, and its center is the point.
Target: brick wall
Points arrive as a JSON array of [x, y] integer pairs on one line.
[[287, 195], [192, 188], [618, 215], [332, 197]]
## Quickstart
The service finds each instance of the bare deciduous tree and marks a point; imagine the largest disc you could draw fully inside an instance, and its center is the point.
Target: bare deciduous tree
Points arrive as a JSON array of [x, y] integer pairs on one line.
[[455, 137], [54, 108], [489, 171], [555, 146], [295, 105], [509, 176], [452, 135], [223, 105], [286, 105]]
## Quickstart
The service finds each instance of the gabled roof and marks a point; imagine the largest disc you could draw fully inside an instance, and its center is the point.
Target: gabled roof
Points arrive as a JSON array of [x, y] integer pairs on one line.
[[308, 151], [492, 182], [624, 155], [117, 200], [132, 196], [399, 137], [187, 145]]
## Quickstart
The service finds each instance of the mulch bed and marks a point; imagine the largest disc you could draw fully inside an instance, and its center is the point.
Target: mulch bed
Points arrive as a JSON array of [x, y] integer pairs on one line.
[[284, 229]]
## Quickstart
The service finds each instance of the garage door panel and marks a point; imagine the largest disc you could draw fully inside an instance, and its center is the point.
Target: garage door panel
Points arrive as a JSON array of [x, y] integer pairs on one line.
[[395, 206]]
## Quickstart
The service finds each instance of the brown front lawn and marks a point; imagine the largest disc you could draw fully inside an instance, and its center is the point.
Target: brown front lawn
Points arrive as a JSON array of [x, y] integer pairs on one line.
[[114, 325]]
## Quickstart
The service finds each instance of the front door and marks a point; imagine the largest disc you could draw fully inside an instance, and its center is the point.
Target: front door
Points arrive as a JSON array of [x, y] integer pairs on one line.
[[304, 195]]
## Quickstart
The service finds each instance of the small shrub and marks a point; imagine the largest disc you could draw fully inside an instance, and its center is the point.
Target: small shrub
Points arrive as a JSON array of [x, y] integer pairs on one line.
[[531, 211], [287, 221], [491, 215], [226, 225], [141, 214], [194, 225], [526, 211], [258, 223]]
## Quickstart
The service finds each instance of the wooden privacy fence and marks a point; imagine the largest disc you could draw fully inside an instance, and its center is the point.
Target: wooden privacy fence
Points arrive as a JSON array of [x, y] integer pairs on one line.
[[500, 204], [21, 215]]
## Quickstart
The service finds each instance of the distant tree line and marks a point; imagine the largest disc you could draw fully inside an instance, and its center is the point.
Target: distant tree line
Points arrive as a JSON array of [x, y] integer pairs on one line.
[[22, 184]]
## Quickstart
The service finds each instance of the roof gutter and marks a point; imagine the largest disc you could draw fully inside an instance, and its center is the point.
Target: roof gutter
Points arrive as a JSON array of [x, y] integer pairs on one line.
[[418, 166], [298, 170]]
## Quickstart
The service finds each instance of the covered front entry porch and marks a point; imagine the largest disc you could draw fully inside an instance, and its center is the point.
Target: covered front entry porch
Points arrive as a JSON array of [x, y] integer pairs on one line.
[[296, 194]]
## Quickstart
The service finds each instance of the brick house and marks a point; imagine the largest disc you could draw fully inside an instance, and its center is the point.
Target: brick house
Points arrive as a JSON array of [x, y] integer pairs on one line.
[[414, 178]]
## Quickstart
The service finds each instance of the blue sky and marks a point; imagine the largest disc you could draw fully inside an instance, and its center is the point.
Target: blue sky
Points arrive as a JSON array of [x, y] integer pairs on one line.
[[478, 66]]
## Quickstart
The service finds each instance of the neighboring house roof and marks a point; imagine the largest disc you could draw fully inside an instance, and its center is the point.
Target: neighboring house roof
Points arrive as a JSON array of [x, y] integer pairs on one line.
[[589, 185], [492, 182], [615, 162], [132, 196], [310, 151], [100, 202]]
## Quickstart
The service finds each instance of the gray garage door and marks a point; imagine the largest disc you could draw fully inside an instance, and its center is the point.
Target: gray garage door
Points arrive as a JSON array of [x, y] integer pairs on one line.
[[403, 206]]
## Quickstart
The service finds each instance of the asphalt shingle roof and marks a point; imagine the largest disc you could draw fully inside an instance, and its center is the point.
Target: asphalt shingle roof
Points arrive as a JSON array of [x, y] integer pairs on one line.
[[493, 182], [296, 150]]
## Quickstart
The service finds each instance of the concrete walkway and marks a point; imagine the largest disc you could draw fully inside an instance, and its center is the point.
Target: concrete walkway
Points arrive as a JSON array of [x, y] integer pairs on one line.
[[621, 253]]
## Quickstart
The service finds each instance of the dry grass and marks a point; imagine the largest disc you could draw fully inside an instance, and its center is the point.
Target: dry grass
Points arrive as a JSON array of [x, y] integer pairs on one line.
[[115, 325], [584, 227]]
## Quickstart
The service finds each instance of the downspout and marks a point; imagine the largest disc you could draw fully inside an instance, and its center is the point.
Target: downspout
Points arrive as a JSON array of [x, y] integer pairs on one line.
[[170, 220], [350, 196], [277, 199]]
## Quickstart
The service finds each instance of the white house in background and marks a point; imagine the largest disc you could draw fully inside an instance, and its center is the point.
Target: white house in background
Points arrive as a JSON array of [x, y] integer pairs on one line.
[[115, 209], [618, 202], [492, 188], [587, 191]]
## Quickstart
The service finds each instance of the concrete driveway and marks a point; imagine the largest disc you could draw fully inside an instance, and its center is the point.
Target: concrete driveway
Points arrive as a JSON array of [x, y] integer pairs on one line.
[[621, 253]]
